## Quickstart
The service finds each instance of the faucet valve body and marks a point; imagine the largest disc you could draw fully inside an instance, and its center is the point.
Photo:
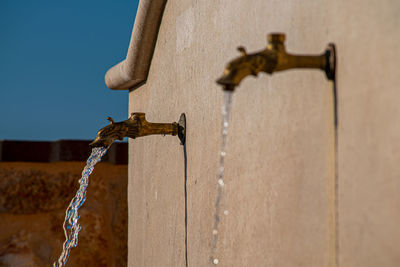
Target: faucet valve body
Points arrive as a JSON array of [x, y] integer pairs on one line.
[[137, 126], [275, 58]]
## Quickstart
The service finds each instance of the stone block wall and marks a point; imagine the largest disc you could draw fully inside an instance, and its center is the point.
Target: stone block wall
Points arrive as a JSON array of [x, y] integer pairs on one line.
[[299, 191]]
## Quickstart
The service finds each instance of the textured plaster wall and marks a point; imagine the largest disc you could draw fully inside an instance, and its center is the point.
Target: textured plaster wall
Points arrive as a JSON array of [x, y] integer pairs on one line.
[[368, 36], [280, 164]]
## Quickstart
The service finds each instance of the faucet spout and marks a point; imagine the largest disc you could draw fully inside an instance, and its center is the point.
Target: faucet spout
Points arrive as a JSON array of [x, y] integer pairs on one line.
[[272, 59], [137, 126]]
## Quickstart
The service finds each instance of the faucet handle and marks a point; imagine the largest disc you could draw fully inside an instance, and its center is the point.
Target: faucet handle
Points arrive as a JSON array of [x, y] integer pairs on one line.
[[111, 120], [242, 50]]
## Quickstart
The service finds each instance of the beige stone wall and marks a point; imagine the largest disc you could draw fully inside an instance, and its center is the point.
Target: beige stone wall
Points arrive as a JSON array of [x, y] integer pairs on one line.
[[33, 199], [280, 164], [368, 36]]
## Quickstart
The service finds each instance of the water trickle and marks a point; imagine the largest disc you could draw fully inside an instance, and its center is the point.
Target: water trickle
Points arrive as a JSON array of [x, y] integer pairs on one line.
[[71, 225], [226, 109]]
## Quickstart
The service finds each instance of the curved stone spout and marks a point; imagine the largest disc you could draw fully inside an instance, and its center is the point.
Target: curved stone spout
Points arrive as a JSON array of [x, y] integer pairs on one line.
[[274, 58], [137, 126]]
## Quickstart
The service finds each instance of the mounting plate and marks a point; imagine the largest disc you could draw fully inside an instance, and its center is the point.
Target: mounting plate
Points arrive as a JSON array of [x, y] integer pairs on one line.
[[182, 129], [330, 68]]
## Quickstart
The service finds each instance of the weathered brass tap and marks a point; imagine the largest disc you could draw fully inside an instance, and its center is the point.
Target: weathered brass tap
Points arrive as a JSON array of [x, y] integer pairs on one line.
[[275, 58], [137, 126]]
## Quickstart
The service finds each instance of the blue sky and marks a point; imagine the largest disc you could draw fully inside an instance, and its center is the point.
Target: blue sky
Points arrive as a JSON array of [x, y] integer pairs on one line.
[[53, 57]]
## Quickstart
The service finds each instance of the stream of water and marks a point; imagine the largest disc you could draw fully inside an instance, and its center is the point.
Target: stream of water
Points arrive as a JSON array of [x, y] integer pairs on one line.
[[71, 225], [226, 110]]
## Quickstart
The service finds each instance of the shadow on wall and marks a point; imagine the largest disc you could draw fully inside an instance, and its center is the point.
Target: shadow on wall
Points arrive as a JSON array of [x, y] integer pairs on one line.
[[34, 196]]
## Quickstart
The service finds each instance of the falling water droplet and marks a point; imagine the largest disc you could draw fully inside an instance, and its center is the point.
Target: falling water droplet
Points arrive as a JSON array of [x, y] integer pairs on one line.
[[226, 107]]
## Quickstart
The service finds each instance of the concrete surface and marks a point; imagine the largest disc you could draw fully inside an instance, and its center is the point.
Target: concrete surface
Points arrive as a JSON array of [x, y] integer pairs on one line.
[[280, 164], [367, 34]]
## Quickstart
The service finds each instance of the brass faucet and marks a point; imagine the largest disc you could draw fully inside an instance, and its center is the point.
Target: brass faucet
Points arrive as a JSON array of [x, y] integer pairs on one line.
[[137, 126], [275, 58]]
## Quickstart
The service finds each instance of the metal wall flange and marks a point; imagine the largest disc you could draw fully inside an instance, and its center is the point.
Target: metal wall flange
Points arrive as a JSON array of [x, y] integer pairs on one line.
[[182, 129], [330, 67]]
